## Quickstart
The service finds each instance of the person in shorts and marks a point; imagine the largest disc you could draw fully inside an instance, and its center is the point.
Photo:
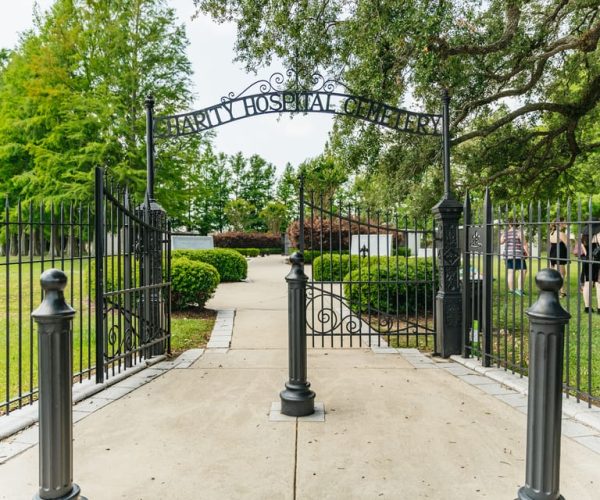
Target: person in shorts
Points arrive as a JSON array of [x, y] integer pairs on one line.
[[558, 254], [515, 252]]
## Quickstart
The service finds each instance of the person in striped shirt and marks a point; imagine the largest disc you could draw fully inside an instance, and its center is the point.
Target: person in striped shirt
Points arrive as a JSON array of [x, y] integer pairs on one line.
[[515, 253]]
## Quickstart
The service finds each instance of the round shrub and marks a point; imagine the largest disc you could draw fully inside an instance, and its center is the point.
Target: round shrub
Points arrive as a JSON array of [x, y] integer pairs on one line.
[[333, 266], [232, 265], [192, 283], [395, 287]]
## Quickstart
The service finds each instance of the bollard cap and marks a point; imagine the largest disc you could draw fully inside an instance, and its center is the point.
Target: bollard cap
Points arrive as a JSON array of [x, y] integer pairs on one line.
[[297, 271], [53, 283], [547, 306], [297, 259]]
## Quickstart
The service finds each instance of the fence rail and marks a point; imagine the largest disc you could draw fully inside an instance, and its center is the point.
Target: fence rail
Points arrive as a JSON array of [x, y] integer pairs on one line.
[[116, 254], [499, 285], [35, 237], [372, 276]]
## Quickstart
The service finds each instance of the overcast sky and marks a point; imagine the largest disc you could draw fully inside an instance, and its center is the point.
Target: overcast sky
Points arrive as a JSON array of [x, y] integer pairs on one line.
[[279, 140]]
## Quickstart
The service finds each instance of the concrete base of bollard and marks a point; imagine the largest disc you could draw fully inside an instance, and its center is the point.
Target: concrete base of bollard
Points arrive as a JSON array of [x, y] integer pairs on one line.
[[75, 494]]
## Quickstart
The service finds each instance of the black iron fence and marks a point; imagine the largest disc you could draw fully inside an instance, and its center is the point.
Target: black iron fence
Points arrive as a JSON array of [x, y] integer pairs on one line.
[[128, 267], [35, 237], [132, 275], [503, 248], [372, 276]]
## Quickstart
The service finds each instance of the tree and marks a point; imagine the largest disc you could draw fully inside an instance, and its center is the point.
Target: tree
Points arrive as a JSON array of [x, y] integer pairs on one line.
[[323, 177], [524, 79], [275, 216], [252, 180], [71, 99], [240, 214]]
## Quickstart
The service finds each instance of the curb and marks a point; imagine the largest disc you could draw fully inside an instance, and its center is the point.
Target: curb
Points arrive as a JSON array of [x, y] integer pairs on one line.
[[222, 332]]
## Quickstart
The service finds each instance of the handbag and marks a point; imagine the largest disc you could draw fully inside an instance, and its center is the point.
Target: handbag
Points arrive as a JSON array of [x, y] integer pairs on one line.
[[596, 253]]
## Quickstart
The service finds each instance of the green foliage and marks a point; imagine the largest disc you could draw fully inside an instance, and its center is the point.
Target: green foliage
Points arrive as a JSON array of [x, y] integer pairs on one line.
[[240, 214], [248, 252], [72, 97], [274, 216], [311, 255], [232, 265], [392, 287], [524, 78], [402, 251], [333, 266], [271, 251], [323, 175], [193, 283]]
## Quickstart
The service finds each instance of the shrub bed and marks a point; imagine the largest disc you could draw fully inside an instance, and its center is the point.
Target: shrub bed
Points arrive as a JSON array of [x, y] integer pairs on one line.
[[248, 252], [236, 239], [192, 283], [397, 289], [231, 265]]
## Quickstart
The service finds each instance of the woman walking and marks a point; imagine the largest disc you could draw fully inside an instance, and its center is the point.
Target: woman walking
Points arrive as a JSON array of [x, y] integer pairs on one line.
[[590, 268], [515, 252]]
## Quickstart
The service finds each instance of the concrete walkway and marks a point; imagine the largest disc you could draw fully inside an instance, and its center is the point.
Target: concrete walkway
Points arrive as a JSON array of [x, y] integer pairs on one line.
[[392, 430]]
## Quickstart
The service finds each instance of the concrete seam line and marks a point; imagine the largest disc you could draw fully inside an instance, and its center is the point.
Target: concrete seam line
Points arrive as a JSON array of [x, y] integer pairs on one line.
[[519, 384]]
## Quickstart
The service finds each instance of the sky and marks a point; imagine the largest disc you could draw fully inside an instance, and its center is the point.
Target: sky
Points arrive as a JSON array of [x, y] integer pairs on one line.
[[277, 139]]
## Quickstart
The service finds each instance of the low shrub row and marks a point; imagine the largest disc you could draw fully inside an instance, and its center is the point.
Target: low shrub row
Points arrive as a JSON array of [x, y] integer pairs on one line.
[[231, 265], [248, 252], [238, 239]]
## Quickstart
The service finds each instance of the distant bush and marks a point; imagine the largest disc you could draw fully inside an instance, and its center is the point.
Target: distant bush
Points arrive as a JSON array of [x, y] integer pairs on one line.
[[235, 239], [271, 251], [402, 252], [398, 288], [248, 252], [192, 283], [231, 265]]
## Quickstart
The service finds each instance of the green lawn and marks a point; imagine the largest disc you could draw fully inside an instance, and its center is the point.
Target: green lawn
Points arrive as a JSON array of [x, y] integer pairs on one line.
[[190, 329], [18, 334], [511, 328], [18, 337]]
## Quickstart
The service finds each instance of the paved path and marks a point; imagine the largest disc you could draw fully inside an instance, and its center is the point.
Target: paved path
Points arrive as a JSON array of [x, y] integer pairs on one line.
[[392, 430]]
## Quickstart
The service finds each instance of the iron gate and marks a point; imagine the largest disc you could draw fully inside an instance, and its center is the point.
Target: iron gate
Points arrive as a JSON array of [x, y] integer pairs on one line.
[[371, 276], [132, 278]]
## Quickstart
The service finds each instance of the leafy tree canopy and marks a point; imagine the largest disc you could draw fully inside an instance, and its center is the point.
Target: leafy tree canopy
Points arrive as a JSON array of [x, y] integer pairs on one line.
[[524, 79], [72, 98]]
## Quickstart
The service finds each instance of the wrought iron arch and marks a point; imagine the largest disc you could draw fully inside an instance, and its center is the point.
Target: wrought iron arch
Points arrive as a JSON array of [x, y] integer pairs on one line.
[[282, 93]]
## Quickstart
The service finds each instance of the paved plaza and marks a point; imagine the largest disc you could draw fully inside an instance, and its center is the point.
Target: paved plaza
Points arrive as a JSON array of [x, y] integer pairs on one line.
[[397, 424]]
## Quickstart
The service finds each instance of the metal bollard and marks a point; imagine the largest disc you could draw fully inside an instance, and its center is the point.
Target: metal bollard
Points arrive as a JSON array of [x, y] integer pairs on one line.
[[54, 317], [297, 400], [547, 320]]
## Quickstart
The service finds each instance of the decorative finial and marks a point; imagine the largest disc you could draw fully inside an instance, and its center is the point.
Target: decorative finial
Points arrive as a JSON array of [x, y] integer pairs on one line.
[[549, 280]]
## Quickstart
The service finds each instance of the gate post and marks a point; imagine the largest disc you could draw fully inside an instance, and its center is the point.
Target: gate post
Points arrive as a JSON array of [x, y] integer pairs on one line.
[[99, 231], [155, 219], [448, 312], [544, 406], [297, 400], [155, 222], [54, 318], [488, 249]]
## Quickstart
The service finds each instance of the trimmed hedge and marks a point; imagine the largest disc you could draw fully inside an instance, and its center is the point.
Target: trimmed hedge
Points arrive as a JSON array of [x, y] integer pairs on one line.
[[192, 283], [333, 266], [271, 251], [232, 265], [399, 289], [310, 255], [248, 252], [238, 239]]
